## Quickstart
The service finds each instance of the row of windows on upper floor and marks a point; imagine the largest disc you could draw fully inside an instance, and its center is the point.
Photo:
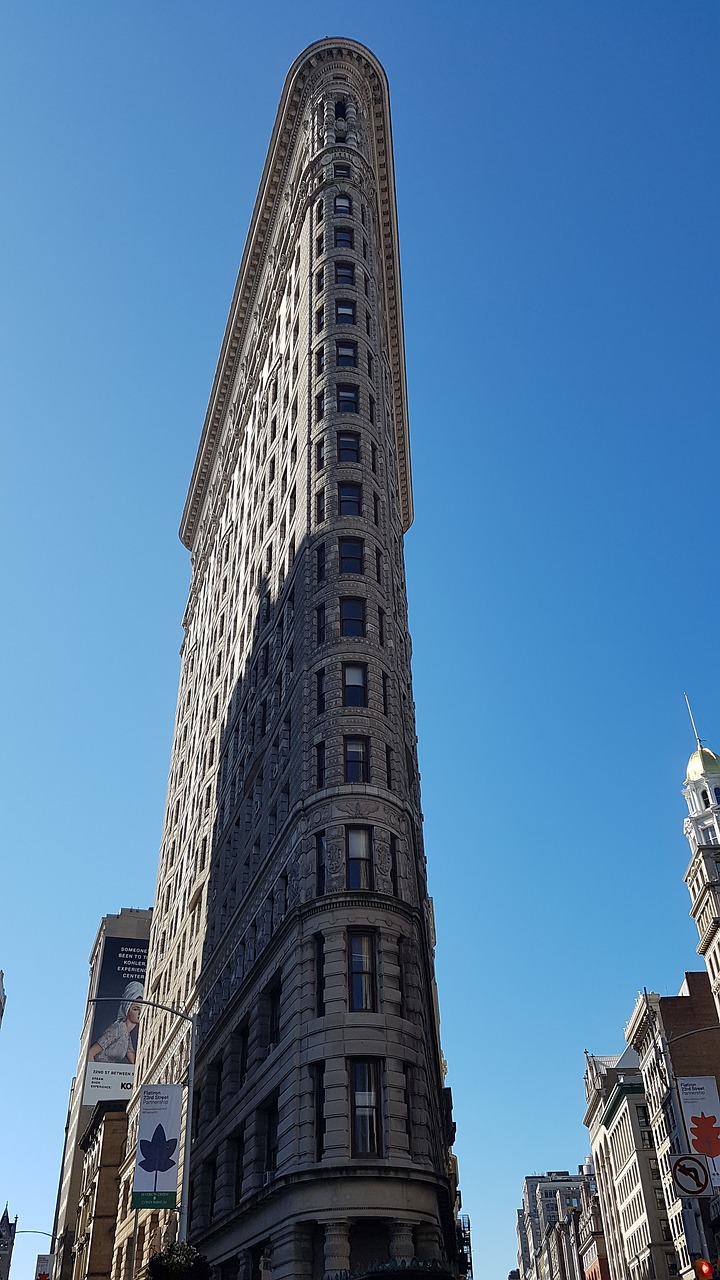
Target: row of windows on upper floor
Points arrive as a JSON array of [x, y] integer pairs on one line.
[[342, 207], [345, 313], [345, 275], [342, 238], [346, 355], [355, 687], [347, 400], [353, 620], [349, 502], [356, 766]]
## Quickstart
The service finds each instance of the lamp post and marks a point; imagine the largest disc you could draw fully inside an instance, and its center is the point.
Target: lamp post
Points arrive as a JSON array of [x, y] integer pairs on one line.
[[192, 1019], [28, 1231]]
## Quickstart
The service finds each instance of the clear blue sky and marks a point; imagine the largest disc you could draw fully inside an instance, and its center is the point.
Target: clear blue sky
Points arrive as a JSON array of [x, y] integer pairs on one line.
[[557, 176]]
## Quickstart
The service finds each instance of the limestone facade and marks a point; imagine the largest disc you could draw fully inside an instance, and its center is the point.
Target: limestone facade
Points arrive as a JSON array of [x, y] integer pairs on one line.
[[292, 911], [637, 1238]]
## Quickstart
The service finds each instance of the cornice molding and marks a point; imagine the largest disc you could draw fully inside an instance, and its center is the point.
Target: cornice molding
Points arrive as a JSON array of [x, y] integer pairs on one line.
[[299, 84]]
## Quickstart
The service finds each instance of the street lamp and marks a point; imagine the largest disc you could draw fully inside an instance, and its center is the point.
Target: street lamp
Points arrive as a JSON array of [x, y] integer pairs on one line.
[[192, 1019]]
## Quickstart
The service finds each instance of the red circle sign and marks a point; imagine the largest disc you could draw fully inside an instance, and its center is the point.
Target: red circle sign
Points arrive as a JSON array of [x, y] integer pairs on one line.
[[690, 1175]]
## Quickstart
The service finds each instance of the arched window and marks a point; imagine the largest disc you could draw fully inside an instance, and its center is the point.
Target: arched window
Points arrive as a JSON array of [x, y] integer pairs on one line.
[[705, 800]]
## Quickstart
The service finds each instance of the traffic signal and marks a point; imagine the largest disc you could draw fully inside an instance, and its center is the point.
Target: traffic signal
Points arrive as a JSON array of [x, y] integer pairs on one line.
[[703, 1269]]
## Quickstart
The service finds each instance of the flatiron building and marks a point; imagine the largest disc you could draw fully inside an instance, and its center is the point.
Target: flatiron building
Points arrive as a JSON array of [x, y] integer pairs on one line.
[[292, 909]]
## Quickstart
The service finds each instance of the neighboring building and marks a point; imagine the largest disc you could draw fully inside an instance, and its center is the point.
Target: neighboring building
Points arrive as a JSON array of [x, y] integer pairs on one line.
[[548, 1224], [592, 1247], [677, 1038], [702, 828], [7, 1240], [637, 1242], [131, 927], [292, 907], [103, 1147]]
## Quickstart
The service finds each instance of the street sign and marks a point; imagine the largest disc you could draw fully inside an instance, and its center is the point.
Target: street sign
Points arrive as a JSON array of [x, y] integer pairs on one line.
[[690, 1176]]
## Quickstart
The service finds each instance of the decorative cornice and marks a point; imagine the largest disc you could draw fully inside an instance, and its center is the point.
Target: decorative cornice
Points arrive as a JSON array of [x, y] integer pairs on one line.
[[275, 177]]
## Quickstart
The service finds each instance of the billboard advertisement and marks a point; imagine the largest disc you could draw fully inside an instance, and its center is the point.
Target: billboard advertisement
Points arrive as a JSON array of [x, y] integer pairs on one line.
[[156, 1163], [701, 1113], [115, 1019]]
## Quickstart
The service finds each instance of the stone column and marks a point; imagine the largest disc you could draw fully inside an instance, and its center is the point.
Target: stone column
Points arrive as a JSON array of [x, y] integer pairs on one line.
[[337, 1247], [401, 1242], [292, 1253], [427, 1242]]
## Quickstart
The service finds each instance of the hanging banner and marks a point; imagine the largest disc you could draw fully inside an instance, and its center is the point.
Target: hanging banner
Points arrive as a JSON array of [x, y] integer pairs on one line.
[[43, 1266], [156, 1161], [116, 1014], [701, 1112]]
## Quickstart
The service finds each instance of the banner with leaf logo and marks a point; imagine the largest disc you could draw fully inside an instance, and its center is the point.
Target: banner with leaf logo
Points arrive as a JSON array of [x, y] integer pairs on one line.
[[156, 1160], [701, 1112]]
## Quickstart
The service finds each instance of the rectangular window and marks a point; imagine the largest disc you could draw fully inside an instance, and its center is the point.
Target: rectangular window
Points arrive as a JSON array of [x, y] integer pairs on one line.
[[320, 563], [320, 506], [381, 626], [365, 1107], [349, 499], [319, 279], [361, 972], [270, 1129], [320, 455], [343, 205], [352, 616], [319, 359], [346, 355], [320, 624], [370, 364], [642, 1115], [348, 446], [371, 408], [238, 1144], [388, 768], [385, 693], [342, 170], [359, 857], [319, 211], [357, 759], [344, 311], [320, 405], [345, 273], [320, 856], [211, 1177], [318, 1087], [320, 765], [351, 555], [320, 691], [274, 997], [354, 685], [319, 949], [376, 509], [368, 329], [646, 1140], [319, 319], [344, 238], [320, 244]]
